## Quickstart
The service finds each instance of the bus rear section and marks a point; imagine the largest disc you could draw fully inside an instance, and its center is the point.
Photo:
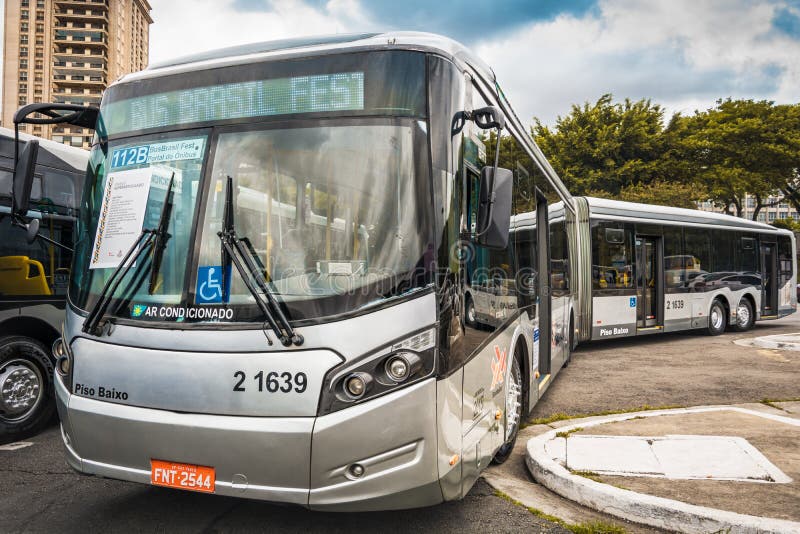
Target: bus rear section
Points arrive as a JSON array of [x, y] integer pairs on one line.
[[655, 269], [268, 299]]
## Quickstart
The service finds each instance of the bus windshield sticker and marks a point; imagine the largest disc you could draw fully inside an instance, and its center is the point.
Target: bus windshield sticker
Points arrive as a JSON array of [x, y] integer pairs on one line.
[[158, 152], [121, 216], [633, 302], [209, 284]]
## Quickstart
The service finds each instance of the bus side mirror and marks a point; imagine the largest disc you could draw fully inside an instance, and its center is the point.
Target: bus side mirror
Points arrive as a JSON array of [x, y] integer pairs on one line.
[[494, 209], [23, 177]]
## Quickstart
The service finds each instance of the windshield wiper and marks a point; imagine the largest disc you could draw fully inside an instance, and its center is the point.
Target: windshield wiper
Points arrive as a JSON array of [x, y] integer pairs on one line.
[[241, 254], [162, 236], [150, 239]]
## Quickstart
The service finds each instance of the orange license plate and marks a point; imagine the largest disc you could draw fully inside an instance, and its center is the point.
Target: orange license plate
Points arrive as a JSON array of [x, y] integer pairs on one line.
[[182, 476]]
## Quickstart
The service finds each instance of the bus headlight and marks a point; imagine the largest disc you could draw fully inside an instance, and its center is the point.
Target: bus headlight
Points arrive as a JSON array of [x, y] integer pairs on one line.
[[357, 384], [388, 369], [402, 365]]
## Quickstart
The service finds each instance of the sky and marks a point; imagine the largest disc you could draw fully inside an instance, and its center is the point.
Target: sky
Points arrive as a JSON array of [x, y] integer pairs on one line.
[[547, 54]]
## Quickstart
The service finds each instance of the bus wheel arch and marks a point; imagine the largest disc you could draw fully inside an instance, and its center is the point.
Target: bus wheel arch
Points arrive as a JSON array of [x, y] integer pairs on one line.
[[745, 313], [30, 327], [718, 316]]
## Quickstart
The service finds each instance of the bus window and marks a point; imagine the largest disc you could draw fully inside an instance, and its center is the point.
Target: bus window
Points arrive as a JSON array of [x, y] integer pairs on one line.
[[674, 259], [612, 262], [36, 269], [748, 255], [724, 250], [696, 250], [559, 257], [784, 259]]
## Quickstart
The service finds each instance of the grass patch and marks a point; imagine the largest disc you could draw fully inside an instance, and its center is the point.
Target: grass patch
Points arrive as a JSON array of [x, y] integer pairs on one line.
[[597, 527], [567, 433], [591, 475], [771, 402], [564, 416], [593, 527]]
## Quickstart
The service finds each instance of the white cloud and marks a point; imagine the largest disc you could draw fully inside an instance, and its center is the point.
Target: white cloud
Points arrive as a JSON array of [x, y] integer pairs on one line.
[[185, 27], [683, 54]]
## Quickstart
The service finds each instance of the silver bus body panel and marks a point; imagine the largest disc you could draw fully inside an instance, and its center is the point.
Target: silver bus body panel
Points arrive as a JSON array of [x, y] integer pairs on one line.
[[399, 456], [271, 458], [449, 393], [200, 382]]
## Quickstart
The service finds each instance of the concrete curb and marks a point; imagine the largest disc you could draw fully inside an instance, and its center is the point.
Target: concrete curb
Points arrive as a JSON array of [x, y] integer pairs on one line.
[[641, 508], [776, 342]]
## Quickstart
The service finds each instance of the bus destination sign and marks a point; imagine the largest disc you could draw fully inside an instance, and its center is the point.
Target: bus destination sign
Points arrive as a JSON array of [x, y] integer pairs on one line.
[[342, 91]]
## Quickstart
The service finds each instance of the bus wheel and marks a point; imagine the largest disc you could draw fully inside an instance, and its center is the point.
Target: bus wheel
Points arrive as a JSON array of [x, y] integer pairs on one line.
[[472, 318], [745, 318], [716, 319], [514, 402], [26, 387], [570, 340]]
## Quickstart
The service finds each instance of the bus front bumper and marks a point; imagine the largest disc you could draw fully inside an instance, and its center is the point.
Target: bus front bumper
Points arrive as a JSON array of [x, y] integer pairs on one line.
[[299, 460]]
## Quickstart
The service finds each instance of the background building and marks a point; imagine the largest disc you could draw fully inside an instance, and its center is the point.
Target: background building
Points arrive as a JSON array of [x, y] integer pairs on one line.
[[773, 211], [69, 51]]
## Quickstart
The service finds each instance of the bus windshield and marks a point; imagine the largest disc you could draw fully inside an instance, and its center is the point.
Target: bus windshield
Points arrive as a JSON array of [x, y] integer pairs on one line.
[[335, 212]]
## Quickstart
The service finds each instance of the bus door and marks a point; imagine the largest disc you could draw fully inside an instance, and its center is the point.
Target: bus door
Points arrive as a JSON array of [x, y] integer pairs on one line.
[[769, 274], [649, 285], [543, 344]]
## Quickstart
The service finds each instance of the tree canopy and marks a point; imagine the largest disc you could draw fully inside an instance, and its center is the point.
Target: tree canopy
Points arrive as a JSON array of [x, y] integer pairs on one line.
[[625, 150]]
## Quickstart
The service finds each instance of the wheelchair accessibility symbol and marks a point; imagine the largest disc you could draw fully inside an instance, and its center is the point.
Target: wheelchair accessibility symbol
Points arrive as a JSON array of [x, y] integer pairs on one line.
[[209, 285]]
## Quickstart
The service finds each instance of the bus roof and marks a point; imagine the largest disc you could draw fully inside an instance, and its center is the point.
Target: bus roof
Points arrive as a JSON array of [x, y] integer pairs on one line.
[[50, 152], [316, 45], [634, 210]]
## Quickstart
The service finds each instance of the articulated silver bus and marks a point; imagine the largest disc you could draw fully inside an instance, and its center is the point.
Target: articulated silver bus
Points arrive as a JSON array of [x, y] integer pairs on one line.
[[33, 280], [302, 276], [649, 269]]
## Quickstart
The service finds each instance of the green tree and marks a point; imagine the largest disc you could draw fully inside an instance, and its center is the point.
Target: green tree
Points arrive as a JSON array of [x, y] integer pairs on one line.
[[605, 147], [740, 147]]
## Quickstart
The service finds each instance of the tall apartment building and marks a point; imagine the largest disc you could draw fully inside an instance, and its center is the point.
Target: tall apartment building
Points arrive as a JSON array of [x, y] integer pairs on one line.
[[776, 209], [69, 51]]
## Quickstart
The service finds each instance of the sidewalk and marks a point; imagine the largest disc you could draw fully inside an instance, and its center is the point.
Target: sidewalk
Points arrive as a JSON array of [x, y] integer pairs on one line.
[[700, 469], [776, 342]]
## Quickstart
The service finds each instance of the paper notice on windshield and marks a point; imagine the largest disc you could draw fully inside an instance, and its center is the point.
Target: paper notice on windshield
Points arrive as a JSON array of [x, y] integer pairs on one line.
[[121, 216]]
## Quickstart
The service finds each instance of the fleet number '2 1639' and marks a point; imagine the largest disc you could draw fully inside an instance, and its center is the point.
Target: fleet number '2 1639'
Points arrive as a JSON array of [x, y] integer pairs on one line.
[[273, 381], [675, 304]]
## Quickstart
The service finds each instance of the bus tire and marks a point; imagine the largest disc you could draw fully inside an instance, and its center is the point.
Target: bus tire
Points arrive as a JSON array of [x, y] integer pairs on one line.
[[27, 401], [717, 318], [470, 315], [570, 344], [514, 410], [745, 317]]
